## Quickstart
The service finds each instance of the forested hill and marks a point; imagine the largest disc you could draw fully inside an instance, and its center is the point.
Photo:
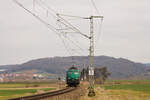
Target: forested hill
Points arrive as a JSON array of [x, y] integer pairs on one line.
[[118, 67]]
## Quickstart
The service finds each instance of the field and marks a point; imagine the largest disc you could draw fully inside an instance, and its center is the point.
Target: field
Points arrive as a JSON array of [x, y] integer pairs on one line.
[[111, 90], [12, 90], [122, 90]]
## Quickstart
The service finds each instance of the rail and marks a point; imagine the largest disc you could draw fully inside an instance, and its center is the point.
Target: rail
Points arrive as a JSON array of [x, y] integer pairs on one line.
[[45, 95]]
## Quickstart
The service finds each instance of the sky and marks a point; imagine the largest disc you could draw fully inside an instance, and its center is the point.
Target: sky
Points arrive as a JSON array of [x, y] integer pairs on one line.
[[124, 31]]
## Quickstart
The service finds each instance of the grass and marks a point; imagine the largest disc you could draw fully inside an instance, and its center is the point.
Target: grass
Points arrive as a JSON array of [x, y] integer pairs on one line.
[[13, 90], [23, 85], [6, 94], [121, 90], [122, 81], [16, 92], [127, 80], [48, 89], [13, 93], [134, 87]]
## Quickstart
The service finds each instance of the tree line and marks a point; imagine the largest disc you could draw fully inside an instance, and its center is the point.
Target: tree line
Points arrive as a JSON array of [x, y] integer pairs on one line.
[[100, 74]]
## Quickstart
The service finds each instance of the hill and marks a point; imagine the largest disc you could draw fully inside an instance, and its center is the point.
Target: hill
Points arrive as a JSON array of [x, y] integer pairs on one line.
[[118, 67], [148, 64]]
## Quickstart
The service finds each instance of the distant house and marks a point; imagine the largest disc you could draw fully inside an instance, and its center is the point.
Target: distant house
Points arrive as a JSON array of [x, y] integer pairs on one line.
[[2, 70], [37, 76]]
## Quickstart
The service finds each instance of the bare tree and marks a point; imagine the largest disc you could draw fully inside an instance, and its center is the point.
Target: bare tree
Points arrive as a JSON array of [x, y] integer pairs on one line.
[[101, 74]]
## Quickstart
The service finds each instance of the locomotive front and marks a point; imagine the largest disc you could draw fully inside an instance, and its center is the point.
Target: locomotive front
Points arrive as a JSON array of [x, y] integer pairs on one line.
[[73, 77]]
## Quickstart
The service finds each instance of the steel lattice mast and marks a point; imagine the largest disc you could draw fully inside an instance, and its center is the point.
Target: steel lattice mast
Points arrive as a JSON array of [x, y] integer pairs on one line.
[[91, 55]]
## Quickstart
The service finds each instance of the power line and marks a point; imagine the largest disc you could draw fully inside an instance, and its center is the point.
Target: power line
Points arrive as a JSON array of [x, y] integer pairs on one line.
[[95, 7], [66, 23], [48, 6], [37, 17], [73, 42], [99, 31], [100, 22], [47, 25], [68, 48], [39, 2], [72, 27]]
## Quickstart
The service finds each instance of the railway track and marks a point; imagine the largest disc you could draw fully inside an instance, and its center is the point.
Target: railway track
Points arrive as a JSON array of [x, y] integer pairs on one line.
[[45, 95]]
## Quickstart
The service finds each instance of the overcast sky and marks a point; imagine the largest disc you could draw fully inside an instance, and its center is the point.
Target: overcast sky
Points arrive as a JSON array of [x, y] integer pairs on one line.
[[125, 30]]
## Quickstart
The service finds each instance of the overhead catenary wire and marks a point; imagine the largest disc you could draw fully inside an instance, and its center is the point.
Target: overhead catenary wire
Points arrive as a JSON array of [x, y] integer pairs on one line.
[[38, 2], [73, 28], [64, 23], [76, 44], [99, 31], [95, 7], [37, 17], [48, 6], [45, 23], [62, 20], [67, 47], [55, 29], [70, 32], [100, 22], [73, 42], [68, 37], [79, 17]]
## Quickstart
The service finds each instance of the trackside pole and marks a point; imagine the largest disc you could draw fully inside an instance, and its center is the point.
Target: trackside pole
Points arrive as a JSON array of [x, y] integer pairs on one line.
[[91, 55]]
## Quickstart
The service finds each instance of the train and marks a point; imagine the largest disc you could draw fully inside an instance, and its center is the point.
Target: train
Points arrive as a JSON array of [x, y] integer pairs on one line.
[[73, 77]]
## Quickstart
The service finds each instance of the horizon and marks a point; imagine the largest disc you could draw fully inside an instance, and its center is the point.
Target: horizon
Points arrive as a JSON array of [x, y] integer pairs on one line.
[[71, 56]]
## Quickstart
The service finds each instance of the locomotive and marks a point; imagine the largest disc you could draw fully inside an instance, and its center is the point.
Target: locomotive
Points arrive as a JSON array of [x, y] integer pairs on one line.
[[73, 77]]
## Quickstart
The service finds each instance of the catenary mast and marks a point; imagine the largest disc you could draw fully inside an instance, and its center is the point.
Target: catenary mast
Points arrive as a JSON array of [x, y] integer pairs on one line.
[[91, 55]]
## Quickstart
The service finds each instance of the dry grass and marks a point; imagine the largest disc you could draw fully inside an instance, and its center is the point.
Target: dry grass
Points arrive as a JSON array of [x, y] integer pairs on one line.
[[102, 94], [13, 90], [73, 95]]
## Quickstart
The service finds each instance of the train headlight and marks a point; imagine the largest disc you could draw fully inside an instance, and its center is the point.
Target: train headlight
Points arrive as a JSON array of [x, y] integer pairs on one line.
[[76, 73]]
